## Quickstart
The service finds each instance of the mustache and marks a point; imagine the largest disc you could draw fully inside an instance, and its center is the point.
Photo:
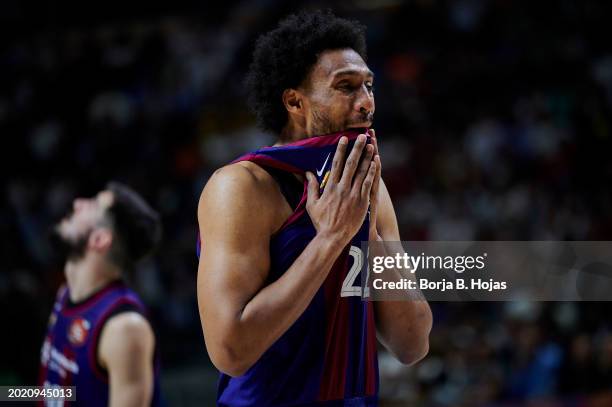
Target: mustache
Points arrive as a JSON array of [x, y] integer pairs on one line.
[[366, 116], [363, 117]]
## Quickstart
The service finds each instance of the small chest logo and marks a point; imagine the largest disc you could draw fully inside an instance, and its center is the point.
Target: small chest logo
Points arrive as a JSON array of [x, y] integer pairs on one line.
[[320, 172], [78, 331], [52, 320]]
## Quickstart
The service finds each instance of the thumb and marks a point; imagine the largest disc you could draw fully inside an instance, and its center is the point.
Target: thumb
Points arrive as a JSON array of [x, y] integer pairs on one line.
[[313, 187]]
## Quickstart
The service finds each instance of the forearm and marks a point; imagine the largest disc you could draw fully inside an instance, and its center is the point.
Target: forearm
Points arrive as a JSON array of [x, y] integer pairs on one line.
[[277, 306], [403, 326]]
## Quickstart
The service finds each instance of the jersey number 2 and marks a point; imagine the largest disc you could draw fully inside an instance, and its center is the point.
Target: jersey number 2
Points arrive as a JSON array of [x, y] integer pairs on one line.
[[348, 287]]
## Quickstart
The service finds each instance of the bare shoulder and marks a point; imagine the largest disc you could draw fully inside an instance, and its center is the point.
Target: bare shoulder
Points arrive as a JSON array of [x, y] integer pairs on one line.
[[127, 334], [237, 191], [129, 324], [242, 179]]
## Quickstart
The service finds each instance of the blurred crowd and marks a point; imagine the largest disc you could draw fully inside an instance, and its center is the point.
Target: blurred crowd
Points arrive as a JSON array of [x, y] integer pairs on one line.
[[494, 120], [504, 354]]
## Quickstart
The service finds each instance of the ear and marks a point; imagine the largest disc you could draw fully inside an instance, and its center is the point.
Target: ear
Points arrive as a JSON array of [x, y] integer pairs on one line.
[[293, 100], [100, 240]]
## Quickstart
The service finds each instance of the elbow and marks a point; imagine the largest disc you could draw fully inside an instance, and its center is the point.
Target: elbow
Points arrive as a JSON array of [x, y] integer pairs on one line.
[[415, 353], [230, 349], [228, 360], [417, 346], [231, 369]]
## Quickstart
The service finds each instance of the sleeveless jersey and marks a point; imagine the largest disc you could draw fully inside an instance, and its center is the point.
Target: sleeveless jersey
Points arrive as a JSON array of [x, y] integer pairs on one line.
[[69, 352], [328, 356]]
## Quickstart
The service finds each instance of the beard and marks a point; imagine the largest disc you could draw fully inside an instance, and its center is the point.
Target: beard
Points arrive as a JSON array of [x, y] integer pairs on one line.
[[65, 248], [323, 124]]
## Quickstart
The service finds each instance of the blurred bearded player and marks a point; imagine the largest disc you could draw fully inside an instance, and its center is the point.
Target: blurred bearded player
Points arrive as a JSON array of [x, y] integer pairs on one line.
[[281, 309], [99, 339]]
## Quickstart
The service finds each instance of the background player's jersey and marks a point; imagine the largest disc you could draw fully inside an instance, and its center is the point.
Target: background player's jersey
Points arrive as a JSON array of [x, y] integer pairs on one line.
[[69, 353], [328, 356]]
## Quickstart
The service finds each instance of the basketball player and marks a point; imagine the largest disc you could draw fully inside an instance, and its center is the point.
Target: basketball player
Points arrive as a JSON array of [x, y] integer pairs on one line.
[[280, 247], [98, 338]]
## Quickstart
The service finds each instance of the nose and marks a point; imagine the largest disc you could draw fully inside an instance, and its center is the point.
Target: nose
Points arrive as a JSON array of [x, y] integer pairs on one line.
[[365, 101], [78, 204]]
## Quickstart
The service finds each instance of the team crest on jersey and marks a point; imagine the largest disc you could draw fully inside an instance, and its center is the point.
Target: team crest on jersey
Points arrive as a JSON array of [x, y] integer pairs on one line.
[[78, 331], [52, 320]]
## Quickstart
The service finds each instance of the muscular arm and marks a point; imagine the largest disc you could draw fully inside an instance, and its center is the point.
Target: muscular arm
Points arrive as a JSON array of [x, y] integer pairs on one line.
[[403, 326], [242, 316], [126, 351]]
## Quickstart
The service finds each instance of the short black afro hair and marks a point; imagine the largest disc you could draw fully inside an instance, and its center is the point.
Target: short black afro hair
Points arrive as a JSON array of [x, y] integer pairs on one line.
[[284, 57]]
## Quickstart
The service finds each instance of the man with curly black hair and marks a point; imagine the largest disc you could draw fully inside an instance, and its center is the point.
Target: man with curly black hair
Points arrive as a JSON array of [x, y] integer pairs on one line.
[[281, 259]]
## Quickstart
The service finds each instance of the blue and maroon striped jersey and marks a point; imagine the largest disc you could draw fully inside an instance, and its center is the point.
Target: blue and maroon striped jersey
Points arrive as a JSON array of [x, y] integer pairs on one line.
[[328, 356], [69, 352]]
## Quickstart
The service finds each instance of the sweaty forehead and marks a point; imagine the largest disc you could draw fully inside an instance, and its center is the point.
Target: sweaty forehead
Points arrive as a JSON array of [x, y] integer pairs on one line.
[[334, 62]]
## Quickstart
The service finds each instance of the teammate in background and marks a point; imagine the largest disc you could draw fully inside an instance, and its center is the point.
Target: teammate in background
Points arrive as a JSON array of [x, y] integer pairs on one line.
[[282, 318], [98, 338]]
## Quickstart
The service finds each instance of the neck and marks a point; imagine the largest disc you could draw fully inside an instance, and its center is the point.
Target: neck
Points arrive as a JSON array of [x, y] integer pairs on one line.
[[87, 275], [292, 132]]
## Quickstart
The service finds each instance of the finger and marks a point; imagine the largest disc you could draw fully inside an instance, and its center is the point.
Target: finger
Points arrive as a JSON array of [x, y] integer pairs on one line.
[[375, 184], [313, 187], [363, 166], [372, 133], [353, 160], [338, 161], [366, 187], [375, 144]]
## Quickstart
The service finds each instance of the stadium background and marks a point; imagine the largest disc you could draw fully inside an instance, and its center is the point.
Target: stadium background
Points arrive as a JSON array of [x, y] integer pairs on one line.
[[494, 119]]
